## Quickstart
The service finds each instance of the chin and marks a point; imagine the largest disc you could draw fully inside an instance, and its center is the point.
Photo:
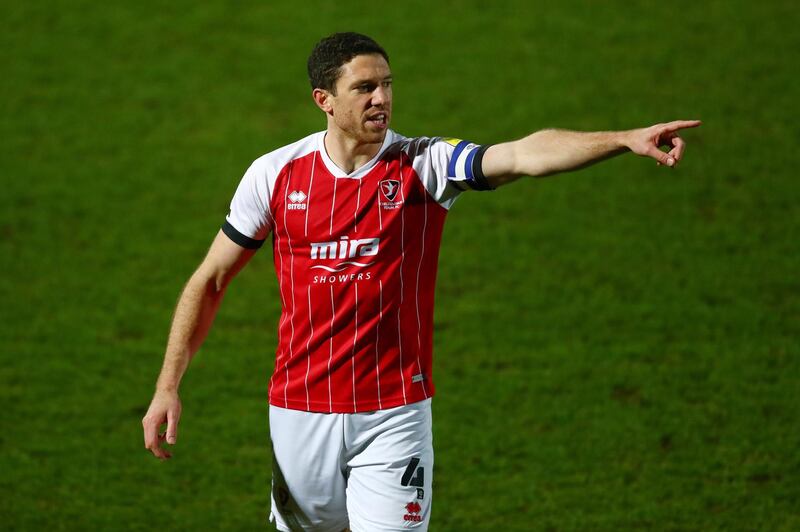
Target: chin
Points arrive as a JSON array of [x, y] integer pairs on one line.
[[372, 137]]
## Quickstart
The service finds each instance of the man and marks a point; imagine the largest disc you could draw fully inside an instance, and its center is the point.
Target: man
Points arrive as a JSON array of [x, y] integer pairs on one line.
[[356, 213]]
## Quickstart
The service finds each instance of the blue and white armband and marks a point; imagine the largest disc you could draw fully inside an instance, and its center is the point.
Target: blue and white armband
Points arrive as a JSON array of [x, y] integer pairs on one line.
[[465, 169]]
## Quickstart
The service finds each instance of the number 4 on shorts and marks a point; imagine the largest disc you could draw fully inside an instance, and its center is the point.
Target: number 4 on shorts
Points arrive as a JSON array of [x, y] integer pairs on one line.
[[418, 479]]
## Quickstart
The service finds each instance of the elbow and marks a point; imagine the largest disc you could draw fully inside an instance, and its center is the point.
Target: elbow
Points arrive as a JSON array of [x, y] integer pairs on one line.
[[531, 158], [534, 166], [219, 283]]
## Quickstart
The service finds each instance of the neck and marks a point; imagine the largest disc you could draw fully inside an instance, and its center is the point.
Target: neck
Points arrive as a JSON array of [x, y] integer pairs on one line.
[[348, 153]]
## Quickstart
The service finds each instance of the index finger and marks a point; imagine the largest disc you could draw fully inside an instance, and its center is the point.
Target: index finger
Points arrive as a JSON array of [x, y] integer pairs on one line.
[[680, 124]]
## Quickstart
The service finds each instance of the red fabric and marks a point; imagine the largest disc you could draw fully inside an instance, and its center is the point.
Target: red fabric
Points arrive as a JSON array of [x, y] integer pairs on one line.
[[358, 338]]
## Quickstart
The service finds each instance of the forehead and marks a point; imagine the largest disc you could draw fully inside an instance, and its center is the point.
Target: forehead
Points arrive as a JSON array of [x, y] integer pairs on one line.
[[364, 68]]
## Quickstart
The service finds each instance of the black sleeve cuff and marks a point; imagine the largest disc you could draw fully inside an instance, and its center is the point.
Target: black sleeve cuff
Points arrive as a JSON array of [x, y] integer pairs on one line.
[[481, 183], [240, 239]]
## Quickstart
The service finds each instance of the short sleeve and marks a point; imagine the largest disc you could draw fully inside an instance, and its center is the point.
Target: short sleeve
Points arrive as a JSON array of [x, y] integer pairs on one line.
[[449, 166], [249, 221]]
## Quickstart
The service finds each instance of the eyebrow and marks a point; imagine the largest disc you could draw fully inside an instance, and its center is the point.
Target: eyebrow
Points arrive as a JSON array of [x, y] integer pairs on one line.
[[360, 82]]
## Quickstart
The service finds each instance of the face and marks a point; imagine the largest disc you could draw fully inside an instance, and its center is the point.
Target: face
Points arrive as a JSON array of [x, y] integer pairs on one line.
[[362, 106]]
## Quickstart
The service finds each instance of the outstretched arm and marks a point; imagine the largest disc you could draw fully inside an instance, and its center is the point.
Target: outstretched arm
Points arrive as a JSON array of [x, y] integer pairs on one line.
[[551, 151], [193, 317]]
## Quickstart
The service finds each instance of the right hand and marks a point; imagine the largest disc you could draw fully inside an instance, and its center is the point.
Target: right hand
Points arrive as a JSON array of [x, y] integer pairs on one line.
[[164, 408], [647, 141]]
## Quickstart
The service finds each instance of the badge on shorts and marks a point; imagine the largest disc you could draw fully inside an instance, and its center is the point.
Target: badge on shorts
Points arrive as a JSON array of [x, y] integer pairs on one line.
[[413, 509]]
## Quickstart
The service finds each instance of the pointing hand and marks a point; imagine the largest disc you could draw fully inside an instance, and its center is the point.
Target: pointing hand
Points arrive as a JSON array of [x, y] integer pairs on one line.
[[647, 141]]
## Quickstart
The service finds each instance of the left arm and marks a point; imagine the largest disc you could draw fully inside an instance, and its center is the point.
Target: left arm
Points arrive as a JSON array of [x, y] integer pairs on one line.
[[551, 151]]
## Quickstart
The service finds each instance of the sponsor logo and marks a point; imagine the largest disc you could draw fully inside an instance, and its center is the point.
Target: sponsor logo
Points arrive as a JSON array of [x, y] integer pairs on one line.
[[342, 277], [413, 509], [297, 199], [389, 190], [345, 248], [351, 253]]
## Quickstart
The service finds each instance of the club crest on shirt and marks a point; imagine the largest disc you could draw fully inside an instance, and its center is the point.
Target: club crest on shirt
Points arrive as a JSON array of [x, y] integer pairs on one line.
[[389, 187], [389, 190]]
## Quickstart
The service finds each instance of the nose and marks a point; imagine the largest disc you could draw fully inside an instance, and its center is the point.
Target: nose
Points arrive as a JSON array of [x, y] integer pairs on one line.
[[380, 96]]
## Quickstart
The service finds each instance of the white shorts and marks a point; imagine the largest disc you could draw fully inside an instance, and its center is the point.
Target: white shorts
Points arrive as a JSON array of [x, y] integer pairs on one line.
[[371, 471]]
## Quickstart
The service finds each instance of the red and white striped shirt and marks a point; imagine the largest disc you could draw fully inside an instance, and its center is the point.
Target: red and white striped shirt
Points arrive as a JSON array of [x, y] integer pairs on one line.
[[356, 258]]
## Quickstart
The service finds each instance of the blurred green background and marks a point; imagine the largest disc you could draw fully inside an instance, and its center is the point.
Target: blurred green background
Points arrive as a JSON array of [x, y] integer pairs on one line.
[[616, 349]]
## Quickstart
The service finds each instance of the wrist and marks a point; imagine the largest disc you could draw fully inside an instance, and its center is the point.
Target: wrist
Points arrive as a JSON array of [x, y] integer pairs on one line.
[[623, 140], [166, 386]]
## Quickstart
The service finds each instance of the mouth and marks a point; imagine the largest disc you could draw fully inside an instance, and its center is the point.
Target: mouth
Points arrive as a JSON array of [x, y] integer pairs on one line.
[[379, 120]]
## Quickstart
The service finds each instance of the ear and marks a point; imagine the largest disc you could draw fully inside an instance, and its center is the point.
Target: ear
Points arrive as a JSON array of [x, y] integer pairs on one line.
[[323, 100]]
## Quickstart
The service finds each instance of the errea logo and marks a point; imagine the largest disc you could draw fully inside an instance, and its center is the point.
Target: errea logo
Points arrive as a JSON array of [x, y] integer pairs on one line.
[[297, 199], [413, 510]]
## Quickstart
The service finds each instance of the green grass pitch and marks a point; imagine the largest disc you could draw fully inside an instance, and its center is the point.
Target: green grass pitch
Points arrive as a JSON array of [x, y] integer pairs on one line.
[[615, 349]]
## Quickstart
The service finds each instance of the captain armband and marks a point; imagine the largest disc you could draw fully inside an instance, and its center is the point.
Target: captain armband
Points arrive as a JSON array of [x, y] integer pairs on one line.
[[464, 170]]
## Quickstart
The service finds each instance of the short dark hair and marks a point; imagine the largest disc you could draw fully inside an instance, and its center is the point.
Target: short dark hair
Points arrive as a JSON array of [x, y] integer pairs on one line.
[[328, 56]]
